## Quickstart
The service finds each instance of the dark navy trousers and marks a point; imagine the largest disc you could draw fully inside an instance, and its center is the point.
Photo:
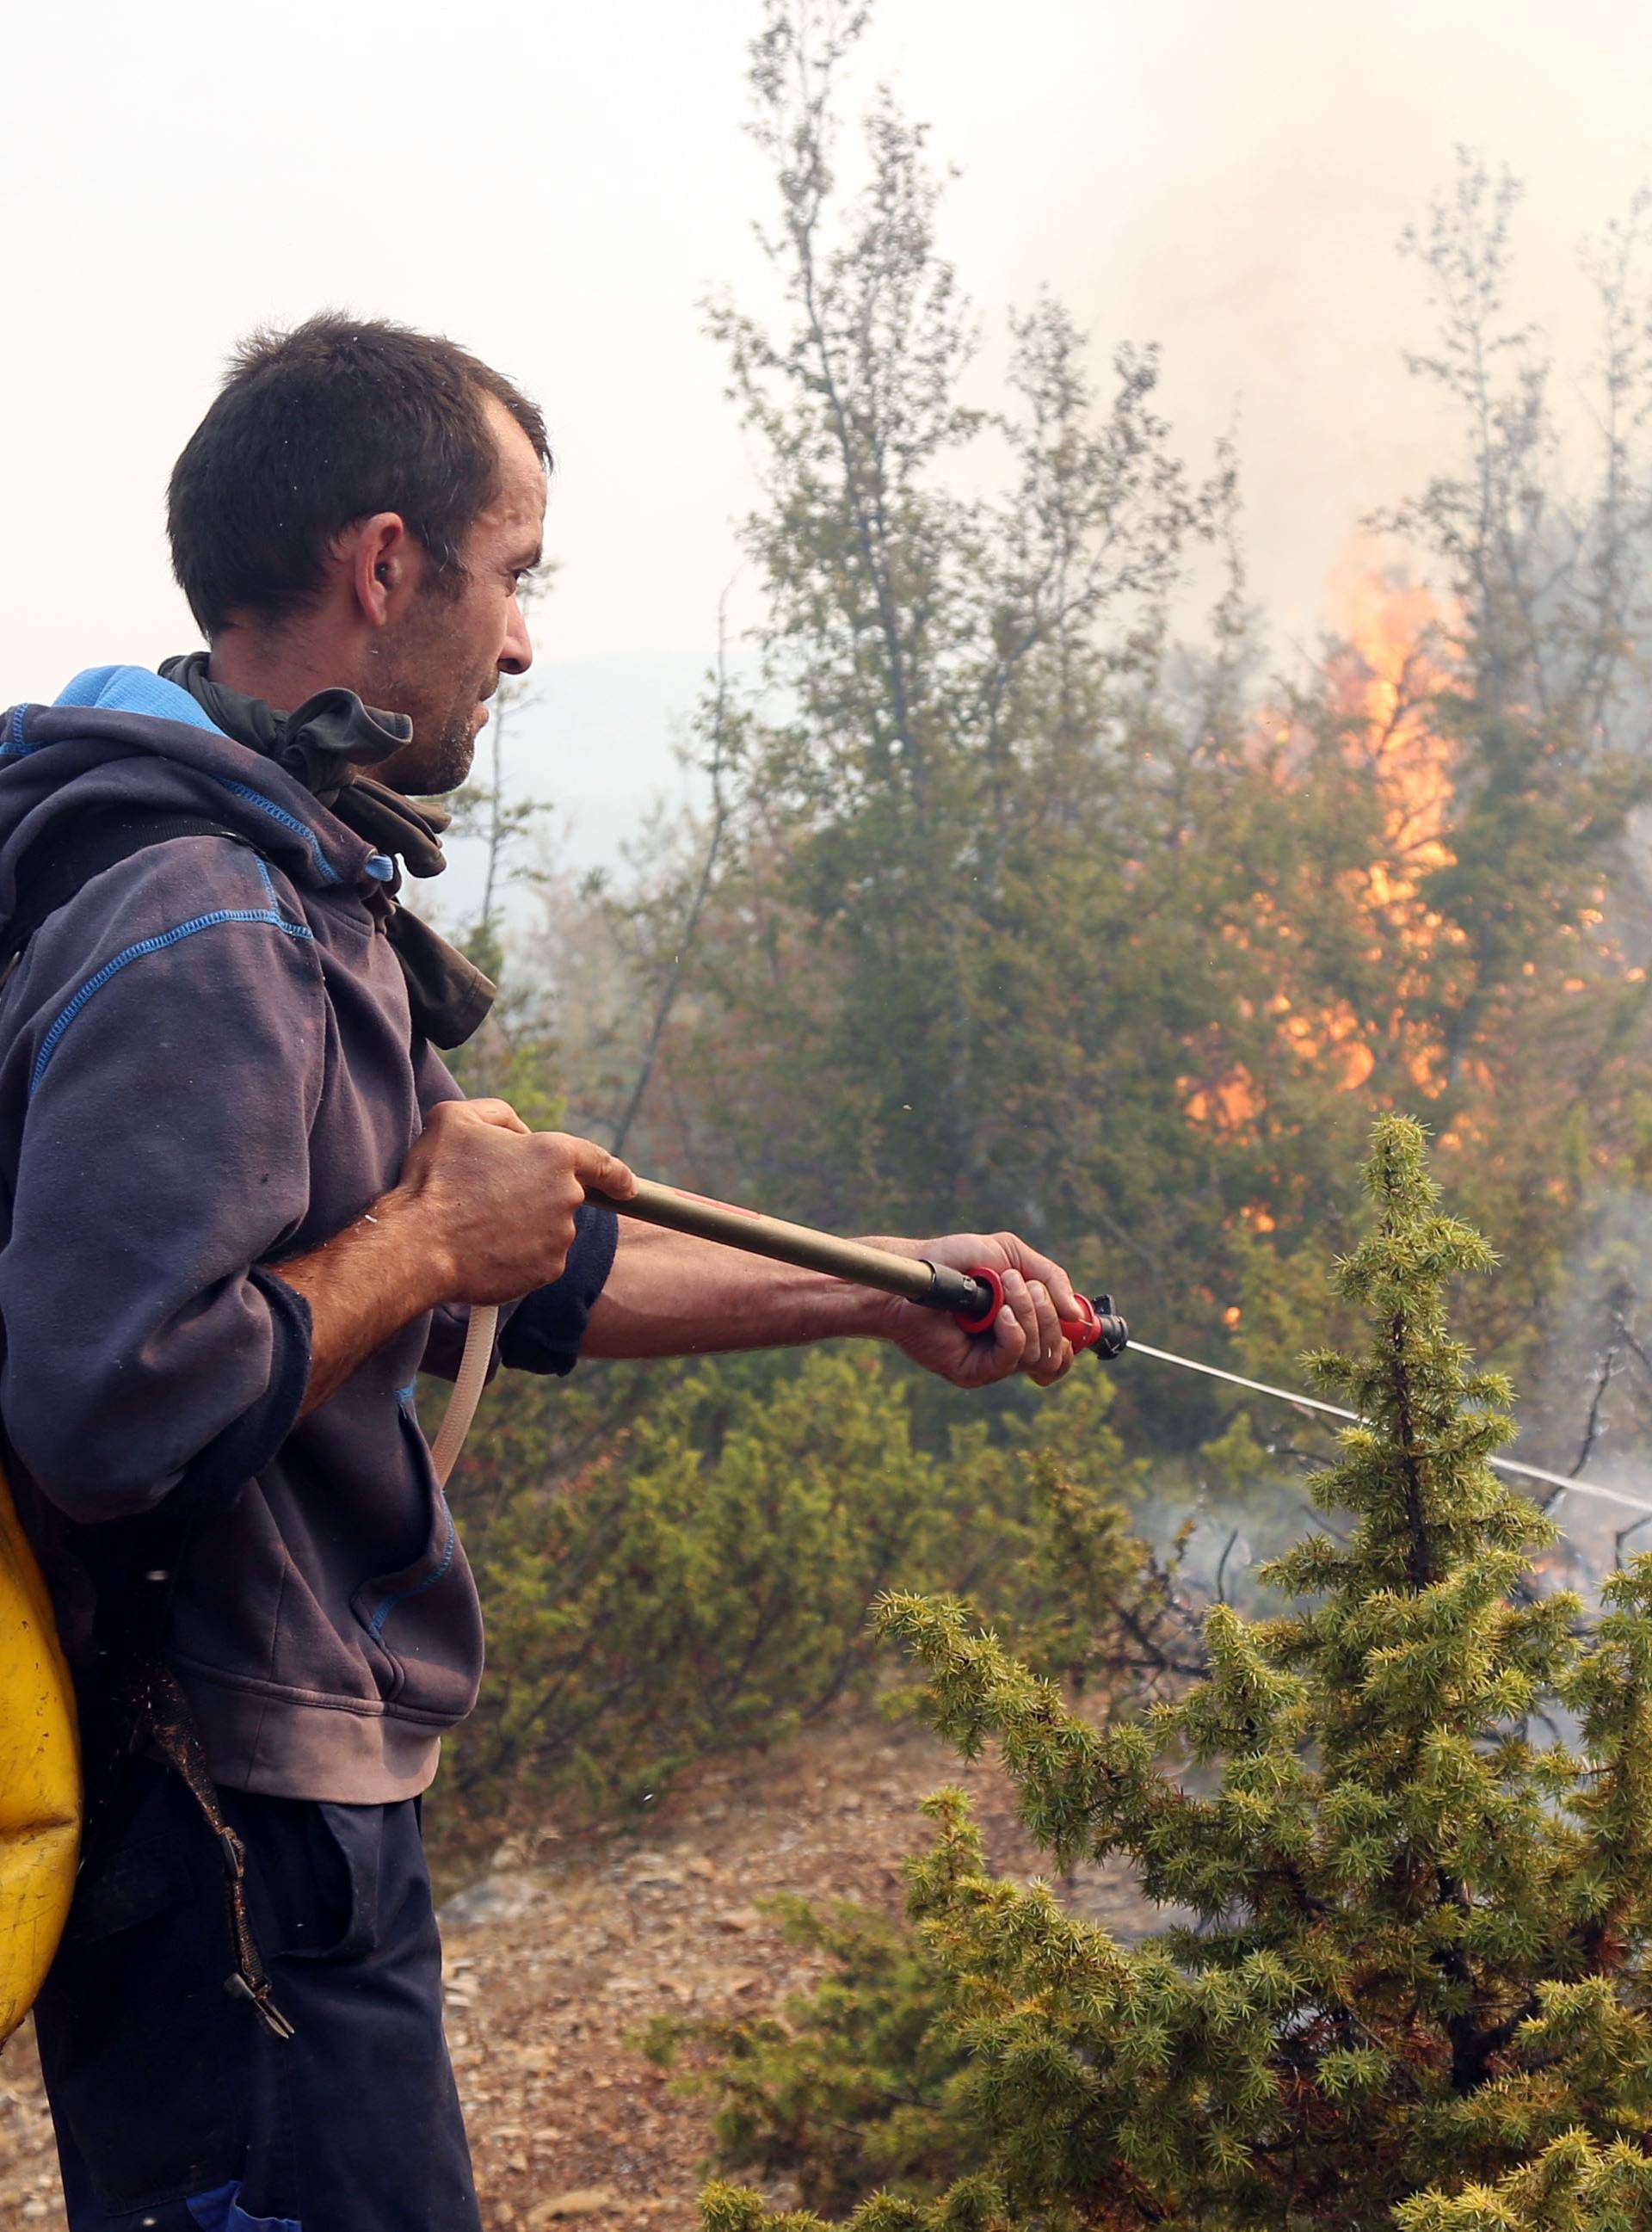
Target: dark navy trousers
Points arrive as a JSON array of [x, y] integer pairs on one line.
[[176, 2110]]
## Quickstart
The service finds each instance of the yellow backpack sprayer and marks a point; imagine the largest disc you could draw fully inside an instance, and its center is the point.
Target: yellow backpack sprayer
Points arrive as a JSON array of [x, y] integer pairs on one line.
[[40, 1776]]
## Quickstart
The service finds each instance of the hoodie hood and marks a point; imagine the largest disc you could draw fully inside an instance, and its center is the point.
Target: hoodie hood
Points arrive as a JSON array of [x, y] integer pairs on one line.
[[122, 737], [176, 742]]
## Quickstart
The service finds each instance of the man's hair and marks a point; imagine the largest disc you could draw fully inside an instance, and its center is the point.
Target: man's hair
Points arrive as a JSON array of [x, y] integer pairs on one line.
[[315, 429]]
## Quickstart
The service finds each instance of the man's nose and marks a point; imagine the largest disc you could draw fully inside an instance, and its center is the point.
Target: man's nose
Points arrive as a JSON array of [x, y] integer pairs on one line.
[[516, 654]]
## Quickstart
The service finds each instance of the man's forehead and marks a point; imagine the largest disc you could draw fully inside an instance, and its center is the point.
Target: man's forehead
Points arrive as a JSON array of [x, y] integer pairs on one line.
[[520, 460], [518, 510]]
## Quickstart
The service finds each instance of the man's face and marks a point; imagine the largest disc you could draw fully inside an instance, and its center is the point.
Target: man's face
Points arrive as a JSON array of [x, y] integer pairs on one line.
[[442, 661]]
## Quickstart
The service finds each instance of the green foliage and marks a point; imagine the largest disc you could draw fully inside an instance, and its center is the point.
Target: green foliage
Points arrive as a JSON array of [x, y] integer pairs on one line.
[[1576, 2185], [512, 1057], [696, 1576], [1415, 1988], [846, 2093]]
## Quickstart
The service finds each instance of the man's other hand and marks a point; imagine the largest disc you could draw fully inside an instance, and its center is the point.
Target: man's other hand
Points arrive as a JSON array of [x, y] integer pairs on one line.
[[497, 1201], [1027, 1335]]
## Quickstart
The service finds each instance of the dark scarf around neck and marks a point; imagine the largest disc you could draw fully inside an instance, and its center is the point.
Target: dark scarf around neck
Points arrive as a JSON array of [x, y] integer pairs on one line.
[[326, 744]]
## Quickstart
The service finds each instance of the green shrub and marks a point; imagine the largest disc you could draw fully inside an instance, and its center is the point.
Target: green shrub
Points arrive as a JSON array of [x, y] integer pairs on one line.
[[846, 2091], [1417, 1989], [695, 1573]]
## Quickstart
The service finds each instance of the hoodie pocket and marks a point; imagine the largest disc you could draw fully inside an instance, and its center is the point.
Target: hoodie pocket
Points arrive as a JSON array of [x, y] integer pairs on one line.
[[427, 1638]]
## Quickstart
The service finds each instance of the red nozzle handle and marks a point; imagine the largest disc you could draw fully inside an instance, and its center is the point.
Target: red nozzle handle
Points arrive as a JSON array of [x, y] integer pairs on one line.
[[981, 1320], [1083, 1332]]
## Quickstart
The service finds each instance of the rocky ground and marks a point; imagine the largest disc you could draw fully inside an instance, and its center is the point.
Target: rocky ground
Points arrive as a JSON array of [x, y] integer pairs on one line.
[[561, 1952]]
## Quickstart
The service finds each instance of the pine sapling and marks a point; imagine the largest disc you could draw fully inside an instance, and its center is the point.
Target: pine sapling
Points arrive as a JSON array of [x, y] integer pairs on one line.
[[1414, 1991]]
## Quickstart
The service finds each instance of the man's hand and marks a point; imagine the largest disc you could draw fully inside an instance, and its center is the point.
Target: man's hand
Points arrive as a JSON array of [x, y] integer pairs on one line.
[[1027, 1335], [497, 1200], [483, 1212]]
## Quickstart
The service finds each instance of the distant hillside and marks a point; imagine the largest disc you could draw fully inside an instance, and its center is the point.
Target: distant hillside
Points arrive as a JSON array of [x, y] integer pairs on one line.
[[596, 739]]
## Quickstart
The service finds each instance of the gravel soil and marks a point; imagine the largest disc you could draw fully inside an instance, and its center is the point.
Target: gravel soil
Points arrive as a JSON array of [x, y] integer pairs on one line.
[[563, 1949]]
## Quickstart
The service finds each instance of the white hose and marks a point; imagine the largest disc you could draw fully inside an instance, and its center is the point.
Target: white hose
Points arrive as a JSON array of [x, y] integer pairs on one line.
[[1563, 1480], [467, 1389]]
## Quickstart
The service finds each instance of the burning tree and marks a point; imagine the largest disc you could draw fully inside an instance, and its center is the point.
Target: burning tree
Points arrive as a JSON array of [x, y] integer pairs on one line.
[[1414, 1990], [1016, 909]]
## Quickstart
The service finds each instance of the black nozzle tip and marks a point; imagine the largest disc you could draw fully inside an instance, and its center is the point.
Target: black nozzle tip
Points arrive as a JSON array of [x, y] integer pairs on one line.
[[1114, 1337]]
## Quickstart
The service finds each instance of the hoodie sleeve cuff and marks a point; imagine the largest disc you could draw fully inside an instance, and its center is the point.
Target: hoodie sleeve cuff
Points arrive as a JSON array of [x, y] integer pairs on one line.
[[248, 1444], [546, 1330]]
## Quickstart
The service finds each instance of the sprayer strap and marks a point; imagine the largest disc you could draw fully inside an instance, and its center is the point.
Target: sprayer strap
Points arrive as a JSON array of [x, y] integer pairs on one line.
[[54, 870], [162, 1712]]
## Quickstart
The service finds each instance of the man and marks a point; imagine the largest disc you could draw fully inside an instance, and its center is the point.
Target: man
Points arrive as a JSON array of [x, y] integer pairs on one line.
[[243, 1206]]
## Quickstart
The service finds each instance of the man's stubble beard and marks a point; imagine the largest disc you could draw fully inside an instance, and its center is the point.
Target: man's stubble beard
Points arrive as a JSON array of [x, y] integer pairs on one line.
[[439, 765], [415, 680]]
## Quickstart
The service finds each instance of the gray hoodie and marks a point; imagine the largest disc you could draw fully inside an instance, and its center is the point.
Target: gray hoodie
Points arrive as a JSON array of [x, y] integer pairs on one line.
[[206, 1065]]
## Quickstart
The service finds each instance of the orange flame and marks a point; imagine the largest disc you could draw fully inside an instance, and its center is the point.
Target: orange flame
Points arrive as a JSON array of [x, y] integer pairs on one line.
[[1383, 681], [1387, 684]]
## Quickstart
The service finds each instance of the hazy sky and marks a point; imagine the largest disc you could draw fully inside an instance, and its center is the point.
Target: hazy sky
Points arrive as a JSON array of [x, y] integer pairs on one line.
[[557, 186]]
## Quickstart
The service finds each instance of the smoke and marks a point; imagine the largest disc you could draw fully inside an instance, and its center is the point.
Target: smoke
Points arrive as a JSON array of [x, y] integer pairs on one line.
[[1231, 182], [1589, 1403]]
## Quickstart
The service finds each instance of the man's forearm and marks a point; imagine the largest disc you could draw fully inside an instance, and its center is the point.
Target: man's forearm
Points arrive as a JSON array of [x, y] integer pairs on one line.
[[363, 1286], [671, 1295]]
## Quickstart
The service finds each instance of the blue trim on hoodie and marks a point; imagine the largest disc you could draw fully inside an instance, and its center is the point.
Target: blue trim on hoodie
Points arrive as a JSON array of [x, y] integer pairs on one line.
[[324, 867], [387, 1605], [53, 1039]]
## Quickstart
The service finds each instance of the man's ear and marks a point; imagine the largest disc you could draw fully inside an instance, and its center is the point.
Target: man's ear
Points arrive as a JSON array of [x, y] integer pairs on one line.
[[378, 553]]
